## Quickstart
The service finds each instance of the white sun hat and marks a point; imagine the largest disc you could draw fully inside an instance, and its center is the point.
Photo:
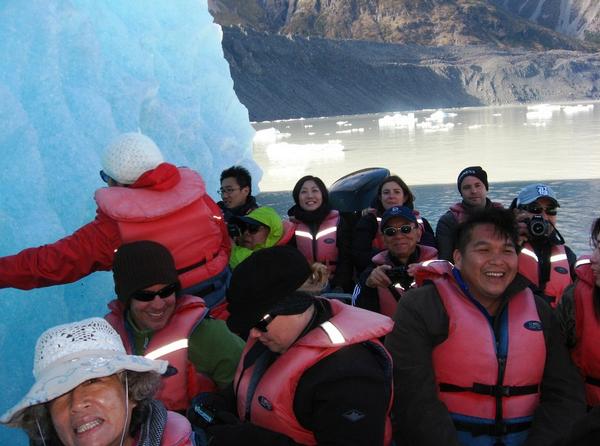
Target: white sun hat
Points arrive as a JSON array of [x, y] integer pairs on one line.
[[70, 354], [129, 156]]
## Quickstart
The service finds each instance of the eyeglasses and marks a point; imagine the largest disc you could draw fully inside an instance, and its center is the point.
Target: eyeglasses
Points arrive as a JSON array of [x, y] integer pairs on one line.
[[264, 323], [537, 209], [227, 190], [147, 296], [390, 231], [105, 177], [252, 229]]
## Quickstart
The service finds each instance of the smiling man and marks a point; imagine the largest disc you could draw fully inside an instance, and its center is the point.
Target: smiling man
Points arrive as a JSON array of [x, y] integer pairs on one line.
[[154, 319], [473, 187], [381, 285], [478, 359]]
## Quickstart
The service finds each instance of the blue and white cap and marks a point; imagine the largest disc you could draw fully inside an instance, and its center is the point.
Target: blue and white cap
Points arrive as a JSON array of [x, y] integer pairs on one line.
[[534, 191], [397, 211]]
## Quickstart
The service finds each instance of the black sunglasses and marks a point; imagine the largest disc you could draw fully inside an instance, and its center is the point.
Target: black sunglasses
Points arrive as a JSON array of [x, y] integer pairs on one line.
[[264, 323], [390, 231], [104, 177], [147, 296], [537, 209], [252, 229]]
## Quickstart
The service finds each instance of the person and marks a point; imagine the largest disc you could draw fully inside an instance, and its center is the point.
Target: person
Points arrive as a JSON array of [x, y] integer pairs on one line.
[[579, 314], [478, 358], [153, 317], [367, 240], [89, 391], [320, 234], [382, 284], [236, 192], [261, 228], [147, 198], [545, 260], [472, 183], [313, 370]]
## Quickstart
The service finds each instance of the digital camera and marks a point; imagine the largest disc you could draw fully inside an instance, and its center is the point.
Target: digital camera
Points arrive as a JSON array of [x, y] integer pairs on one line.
[[537, 226], [398, 274]]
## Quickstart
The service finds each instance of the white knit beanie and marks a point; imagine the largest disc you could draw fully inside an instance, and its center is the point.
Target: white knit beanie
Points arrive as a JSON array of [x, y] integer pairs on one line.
[[129, 156]]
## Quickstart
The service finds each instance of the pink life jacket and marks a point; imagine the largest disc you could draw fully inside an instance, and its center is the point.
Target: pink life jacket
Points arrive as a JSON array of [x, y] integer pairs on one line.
[[183, 218], [466, 365], [560, 278], [288, 232], [171, 344], [322, 246], [178, 431], [387, 301], [586, 354], [272, 404]]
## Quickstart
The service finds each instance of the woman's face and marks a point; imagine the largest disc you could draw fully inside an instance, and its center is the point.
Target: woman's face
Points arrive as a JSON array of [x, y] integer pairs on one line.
[[310, 197], [391, 195], [93, 414]]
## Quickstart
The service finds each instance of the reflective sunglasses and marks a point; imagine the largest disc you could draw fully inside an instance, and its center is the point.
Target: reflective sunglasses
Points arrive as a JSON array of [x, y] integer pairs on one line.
[[264, 323], [390, 231], [228, 190], [252, 229], [104, 177], [537, 209], [147, 296]]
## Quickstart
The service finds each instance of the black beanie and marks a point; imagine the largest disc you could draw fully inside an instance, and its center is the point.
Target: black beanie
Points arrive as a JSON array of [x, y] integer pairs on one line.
[[264, 282], [318, 182], [140, 265], [472, 171]]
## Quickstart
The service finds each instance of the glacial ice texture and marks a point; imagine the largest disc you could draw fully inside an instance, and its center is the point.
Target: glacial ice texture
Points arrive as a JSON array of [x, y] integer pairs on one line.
[[73, 75]]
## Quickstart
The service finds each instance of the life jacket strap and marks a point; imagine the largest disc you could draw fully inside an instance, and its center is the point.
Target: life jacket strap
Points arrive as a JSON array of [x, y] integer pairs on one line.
[[593, 381], [496, 391], [492, 430]]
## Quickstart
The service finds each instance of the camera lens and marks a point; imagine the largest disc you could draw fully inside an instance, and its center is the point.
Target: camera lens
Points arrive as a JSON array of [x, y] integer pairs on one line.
[[538, 226]]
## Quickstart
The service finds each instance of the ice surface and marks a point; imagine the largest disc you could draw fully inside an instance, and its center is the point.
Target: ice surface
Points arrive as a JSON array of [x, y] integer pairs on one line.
[[73, 75]]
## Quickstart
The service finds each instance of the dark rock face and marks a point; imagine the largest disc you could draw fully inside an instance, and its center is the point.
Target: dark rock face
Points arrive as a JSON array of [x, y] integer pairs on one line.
[[280, 77], [423, 22]]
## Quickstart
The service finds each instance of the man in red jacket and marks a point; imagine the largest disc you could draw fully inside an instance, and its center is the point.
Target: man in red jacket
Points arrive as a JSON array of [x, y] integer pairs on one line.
[[146, 199]]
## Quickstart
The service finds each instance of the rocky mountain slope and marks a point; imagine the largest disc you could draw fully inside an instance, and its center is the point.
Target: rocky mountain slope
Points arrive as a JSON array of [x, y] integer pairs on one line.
[[280, 77], [423, 22], [578, 18]]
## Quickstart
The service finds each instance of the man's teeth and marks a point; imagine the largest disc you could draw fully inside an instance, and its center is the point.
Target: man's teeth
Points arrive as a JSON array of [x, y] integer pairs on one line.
[[493, 274], [87, 426]]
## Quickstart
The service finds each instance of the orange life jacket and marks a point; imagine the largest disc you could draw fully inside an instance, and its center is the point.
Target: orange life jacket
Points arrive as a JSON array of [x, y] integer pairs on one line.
[[487, 393], [586, 354], [560, 276], [322, 246], [171, 344], [387, 301], [184, 219], [272, 402]]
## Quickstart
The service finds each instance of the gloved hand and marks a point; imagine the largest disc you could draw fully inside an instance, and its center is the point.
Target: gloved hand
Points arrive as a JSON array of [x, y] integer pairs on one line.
[[210, 408]]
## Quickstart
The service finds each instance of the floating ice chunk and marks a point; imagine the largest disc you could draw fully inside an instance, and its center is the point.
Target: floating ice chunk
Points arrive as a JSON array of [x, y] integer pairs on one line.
[[398, 120], [439, 116], [341, 123], [541, 111], [432, 127], [307, 126], [495, 115], [267, 136], [579, 108], [357, 130], [311, 133]]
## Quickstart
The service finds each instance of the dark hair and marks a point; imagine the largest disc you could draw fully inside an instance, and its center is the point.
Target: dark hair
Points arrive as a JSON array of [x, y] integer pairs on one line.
[[503, 221], [318, 182], [409, 197], [142, 387], [241, 175]]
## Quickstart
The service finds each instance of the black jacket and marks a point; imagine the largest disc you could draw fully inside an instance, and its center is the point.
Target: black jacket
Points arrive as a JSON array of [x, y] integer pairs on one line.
[[423, 420]]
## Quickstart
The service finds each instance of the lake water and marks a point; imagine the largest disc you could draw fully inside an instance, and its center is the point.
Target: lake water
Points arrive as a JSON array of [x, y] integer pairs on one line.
[[516, 145]]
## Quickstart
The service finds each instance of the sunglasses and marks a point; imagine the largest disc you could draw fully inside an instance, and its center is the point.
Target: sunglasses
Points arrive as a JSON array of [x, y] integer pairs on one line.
[[390, 231], [264, 323], [104, 177], [252, 229], [147, 296], [537, 209]]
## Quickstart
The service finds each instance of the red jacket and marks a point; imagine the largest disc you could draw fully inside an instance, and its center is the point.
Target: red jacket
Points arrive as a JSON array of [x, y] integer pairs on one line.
[[178, 431], [92, 247]]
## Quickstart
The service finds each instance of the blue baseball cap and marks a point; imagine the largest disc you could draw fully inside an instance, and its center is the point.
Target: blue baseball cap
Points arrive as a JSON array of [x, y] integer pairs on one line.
[[397, 211], [534, 191]]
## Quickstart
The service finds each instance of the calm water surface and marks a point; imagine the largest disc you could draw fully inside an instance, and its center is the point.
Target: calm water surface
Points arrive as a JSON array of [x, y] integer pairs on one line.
[[517, 145]]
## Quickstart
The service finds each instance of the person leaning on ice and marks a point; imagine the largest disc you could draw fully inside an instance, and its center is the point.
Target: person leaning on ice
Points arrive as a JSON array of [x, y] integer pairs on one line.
[[146, 199], [89, 392]]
